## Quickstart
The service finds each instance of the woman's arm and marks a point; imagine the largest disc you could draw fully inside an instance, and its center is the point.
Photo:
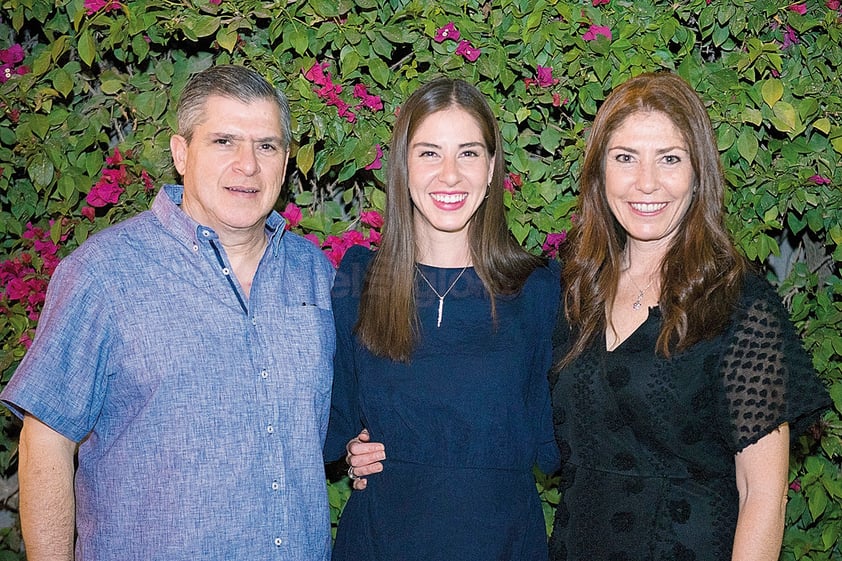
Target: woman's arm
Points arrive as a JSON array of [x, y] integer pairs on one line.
[[762, 474]]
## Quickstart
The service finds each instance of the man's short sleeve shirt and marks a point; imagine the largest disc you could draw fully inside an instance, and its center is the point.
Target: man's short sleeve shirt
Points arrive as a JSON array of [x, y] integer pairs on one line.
[[200, 413]]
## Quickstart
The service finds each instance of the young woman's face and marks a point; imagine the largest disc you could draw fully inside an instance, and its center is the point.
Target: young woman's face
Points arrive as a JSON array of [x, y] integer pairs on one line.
[[649, 177], [450, 169]]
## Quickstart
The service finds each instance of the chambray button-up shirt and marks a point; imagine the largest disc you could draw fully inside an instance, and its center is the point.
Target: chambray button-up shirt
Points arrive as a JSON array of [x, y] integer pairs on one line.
[[200, 413]]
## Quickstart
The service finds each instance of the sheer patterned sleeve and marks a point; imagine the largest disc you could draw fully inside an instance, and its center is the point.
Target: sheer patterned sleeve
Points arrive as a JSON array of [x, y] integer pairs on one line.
[[768, 376]]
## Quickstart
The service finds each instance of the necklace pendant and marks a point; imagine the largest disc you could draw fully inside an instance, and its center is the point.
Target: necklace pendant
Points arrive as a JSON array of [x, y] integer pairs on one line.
[[636, 305], [441, 307]]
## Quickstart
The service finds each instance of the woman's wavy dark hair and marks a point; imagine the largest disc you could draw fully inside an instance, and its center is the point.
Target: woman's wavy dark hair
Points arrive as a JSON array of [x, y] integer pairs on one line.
[[701, 274], [388, 322]]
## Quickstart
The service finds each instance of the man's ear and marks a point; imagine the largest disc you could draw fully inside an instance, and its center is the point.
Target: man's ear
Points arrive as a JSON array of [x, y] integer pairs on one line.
[[178, 148]]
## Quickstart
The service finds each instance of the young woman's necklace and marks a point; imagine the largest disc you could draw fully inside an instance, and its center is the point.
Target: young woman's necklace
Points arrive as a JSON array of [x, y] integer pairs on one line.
[[441, 297], [637, 302]]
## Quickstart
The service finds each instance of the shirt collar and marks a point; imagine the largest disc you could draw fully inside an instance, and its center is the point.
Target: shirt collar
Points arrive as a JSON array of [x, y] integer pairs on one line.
[[167, 208]]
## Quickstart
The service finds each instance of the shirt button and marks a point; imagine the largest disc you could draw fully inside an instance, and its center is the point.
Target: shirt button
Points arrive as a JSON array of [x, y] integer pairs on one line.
[[254, 321], [278, 542], [275, 485], [195, 247], [264, 374], [225, 271], [205, 233], [270, 429]]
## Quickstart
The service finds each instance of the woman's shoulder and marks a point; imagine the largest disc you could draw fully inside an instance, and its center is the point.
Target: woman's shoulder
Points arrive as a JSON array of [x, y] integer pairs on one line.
[[543, 286], [547, 275], [350, 276], [757, 291]]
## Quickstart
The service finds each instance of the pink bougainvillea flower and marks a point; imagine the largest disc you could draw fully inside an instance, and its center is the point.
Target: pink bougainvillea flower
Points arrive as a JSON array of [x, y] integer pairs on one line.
[[820, 180], [9, 58], [600, 2], [468, 51], [215, 2], [26, 339], [833, 4], [449, 31], [88, 212], [798, 8], [371, 218], [94, 6], [551, 245], [374, 237], [115, 158], [292, 214], [336, 246], [314, 239], [595, 31], [104, 193], [316, 74], [147, 181], [512, 181], [378, 155], [12, 55], [373, 102], [544, 76], [790, 38], [796, 485]]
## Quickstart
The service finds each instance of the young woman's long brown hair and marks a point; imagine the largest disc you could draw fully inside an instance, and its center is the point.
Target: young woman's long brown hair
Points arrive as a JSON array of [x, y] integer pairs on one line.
[[701, 273], [388, 322]]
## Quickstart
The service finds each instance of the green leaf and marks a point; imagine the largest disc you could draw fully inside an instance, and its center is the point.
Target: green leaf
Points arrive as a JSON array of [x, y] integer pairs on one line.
[[227, 38], [786, 119], [296, 34], [62, 82], [201, 26], [747, 145], [41, 171], [87, 47], [379, 71], [772, 91], [304, 158], [822, 124]]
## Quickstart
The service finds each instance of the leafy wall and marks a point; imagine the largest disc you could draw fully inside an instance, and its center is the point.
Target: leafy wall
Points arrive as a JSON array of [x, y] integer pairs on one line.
[[87, 92]]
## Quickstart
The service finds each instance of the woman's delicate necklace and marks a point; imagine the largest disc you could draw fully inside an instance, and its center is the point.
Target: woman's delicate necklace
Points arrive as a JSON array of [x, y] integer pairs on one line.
[[441, 297], [637, 303]]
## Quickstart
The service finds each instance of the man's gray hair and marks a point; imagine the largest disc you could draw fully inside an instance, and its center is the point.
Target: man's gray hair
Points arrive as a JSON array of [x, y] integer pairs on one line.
[[231, 81]]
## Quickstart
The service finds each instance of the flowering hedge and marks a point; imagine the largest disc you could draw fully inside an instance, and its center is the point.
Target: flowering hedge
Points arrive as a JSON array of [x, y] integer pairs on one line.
[[87, 90]]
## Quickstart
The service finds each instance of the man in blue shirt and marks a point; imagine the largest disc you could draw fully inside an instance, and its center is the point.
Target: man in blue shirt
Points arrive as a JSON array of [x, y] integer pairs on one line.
[[185, 355]]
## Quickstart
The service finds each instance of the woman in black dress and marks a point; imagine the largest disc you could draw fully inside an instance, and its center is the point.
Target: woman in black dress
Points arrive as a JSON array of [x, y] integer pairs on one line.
[[682, 378]]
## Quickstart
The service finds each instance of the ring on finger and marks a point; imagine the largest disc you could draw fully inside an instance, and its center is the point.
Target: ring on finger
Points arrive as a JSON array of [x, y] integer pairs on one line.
[[351, 473]]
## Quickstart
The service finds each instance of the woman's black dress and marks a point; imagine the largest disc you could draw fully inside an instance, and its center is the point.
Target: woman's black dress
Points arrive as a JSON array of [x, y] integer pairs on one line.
[[648, 443]]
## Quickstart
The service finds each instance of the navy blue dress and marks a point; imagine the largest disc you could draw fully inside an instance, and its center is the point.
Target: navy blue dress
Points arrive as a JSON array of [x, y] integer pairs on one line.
[[463, 423]]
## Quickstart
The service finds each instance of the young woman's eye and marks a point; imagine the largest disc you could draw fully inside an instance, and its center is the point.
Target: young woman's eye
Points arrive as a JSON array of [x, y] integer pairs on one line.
[[623, 158], [671, 159]]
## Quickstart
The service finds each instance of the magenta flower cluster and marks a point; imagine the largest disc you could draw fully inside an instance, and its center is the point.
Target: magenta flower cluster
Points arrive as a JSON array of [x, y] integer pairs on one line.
[[334, 247], [553, 243], [108, 189], [9, 59], [329, 92], [94, 6], [463, 48], [24, 279], [595, 31]]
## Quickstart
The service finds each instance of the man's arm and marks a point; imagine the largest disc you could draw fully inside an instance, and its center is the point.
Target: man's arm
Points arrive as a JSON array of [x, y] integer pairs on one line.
[[47, 502]]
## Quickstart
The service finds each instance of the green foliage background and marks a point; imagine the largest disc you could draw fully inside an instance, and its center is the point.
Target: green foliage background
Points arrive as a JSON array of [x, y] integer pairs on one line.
[[769, 74]]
